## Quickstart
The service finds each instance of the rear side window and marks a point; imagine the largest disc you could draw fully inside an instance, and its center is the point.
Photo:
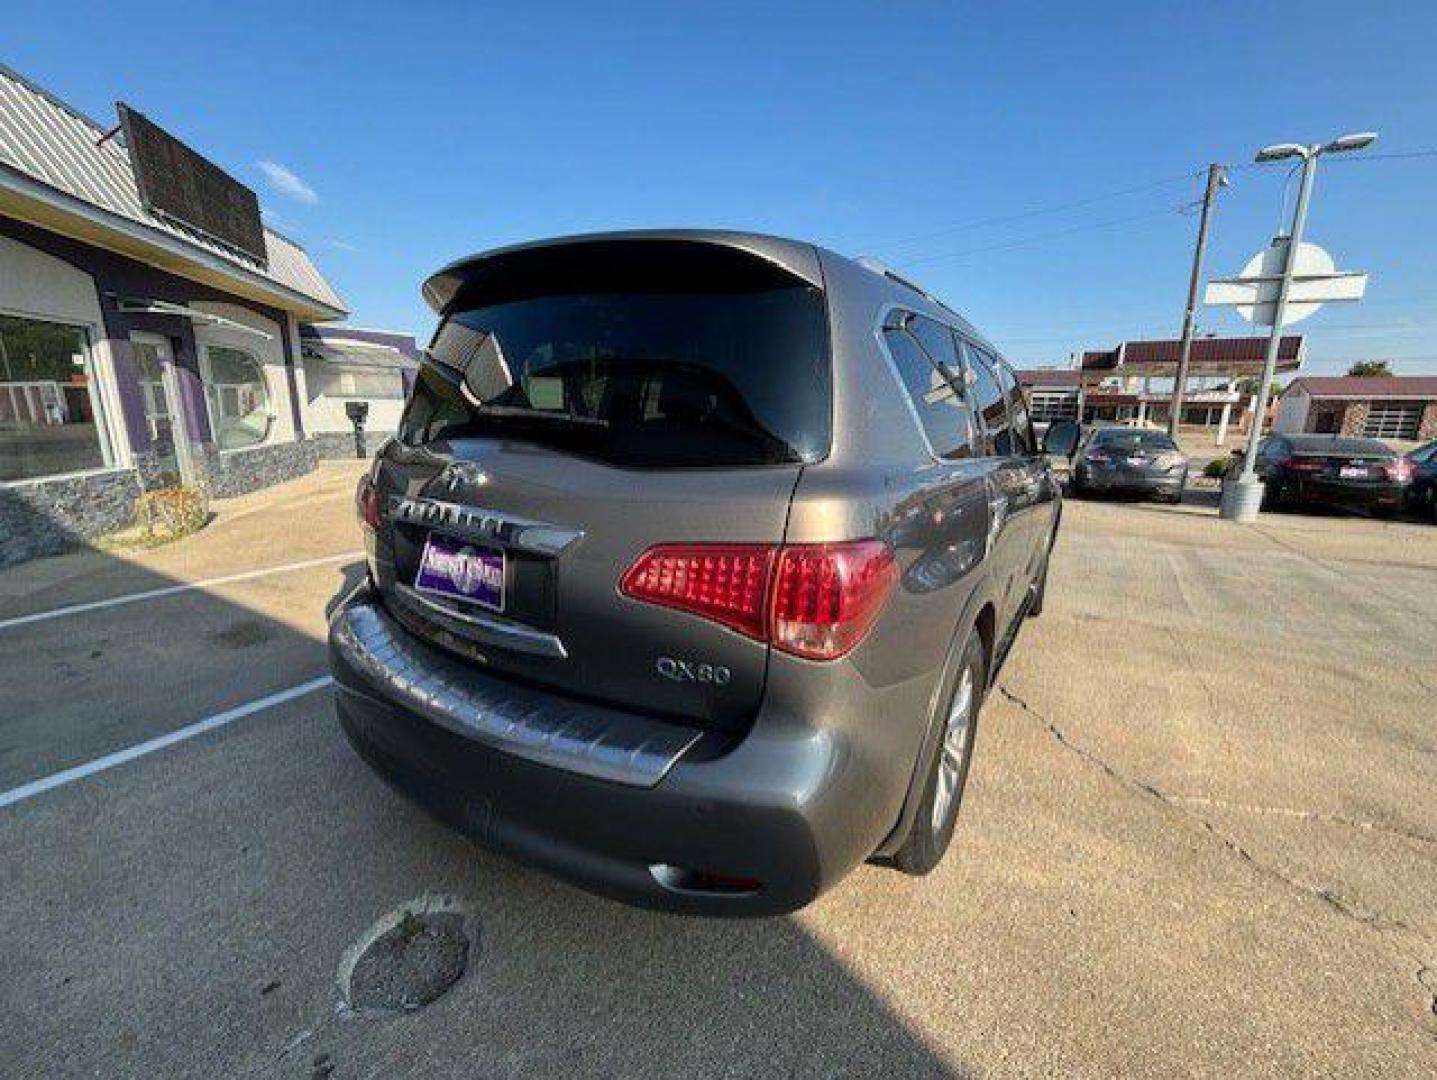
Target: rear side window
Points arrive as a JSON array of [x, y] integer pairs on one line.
[[656, 379], [990, 404], [923, 352]]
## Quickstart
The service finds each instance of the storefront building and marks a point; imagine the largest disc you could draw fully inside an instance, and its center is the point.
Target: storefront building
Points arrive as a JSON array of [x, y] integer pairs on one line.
[[136, 350], [345, 366], [1397, 407], [1133, 383]]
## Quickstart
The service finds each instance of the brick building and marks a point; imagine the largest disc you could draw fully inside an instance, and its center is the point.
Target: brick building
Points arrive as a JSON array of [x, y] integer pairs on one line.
[[1401, 407]]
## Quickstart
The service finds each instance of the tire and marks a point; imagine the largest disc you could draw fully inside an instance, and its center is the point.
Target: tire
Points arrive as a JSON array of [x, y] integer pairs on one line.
[[932, 829]]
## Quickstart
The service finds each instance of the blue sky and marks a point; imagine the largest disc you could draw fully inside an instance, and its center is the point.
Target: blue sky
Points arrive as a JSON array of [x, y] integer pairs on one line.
[[947, 138]]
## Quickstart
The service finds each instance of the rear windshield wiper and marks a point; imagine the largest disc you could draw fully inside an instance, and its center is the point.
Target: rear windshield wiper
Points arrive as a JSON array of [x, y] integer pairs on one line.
[[528, 412]]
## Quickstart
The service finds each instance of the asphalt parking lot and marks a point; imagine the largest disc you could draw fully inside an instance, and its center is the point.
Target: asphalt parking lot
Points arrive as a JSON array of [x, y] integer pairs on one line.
[[1200, 837]]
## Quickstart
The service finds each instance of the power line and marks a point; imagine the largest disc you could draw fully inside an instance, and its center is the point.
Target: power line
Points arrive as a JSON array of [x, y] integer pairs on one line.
[[1036, 211], [1349, 159], [1036, 238]]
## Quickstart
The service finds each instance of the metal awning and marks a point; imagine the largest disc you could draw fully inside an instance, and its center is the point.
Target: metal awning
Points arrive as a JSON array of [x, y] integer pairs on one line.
[[353, 353], [134, 306]]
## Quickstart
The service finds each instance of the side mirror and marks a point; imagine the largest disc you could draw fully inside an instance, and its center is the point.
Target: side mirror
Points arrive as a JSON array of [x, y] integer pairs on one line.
[[1061, 438]]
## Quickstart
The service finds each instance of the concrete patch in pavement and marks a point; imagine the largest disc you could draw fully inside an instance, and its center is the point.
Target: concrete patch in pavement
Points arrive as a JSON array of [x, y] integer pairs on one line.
[[409, 957]]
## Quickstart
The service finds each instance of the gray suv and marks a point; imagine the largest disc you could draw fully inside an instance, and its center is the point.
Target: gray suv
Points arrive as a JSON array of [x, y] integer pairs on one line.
[[690, 565]]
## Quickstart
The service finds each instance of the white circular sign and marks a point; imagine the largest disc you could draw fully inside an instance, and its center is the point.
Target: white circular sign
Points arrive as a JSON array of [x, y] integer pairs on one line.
[[1311, 260]]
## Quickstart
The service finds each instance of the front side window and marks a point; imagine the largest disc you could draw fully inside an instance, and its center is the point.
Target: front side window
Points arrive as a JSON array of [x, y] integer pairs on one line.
[[50, 420], [645, 379], [238, 397], [990, 404], [923, 352]]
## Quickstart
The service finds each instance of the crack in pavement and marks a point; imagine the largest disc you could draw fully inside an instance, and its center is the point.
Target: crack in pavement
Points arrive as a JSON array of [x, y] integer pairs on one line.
[[304, 1038], [1308, 815], [1411, 940]]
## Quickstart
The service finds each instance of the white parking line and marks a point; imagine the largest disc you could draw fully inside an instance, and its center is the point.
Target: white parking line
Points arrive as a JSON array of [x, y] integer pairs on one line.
[[170, 590], [119, 757]]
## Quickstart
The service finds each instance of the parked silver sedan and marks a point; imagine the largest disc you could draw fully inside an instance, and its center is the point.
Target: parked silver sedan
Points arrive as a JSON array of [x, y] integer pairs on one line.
[[1137, 460]]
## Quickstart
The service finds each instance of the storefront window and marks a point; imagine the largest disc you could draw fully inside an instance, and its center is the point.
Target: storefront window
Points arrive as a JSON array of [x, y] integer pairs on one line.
[[240, 412], [50, 420]]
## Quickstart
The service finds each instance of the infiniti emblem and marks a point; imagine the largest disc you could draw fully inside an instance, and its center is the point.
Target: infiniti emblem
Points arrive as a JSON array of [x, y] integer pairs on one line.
[[462, 474]]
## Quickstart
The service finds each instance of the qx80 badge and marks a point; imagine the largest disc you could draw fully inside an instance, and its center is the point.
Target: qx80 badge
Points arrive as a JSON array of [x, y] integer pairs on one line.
[[690, 671]]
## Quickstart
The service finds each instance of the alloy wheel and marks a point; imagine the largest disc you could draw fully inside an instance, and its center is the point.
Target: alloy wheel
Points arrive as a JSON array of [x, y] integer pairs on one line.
[[954, 752]]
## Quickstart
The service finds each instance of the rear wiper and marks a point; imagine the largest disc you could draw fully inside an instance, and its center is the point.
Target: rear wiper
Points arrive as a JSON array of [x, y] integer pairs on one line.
[[527, 412]]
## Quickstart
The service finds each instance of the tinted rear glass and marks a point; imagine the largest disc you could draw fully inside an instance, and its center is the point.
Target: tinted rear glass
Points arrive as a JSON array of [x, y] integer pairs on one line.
[[653, 379], [1327, 444], [1133, 438]]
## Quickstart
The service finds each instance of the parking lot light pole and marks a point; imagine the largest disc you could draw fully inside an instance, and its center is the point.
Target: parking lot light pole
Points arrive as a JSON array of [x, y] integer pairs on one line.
[[1242, 498]]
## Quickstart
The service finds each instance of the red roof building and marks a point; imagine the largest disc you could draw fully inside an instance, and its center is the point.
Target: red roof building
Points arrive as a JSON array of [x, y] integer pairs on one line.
[[1402, 407]]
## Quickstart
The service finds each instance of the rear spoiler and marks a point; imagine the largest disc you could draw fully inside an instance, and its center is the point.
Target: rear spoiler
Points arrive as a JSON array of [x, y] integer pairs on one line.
[[667, 257]]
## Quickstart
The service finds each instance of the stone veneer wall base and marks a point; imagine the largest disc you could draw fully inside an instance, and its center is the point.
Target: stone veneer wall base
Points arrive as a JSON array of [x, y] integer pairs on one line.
[[225, 474], [52, 516], [334, 445]]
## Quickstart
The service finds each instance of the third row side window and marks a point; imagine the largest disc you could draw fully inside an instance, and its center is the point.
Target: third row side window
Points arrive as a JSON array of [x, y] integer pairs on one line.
[[927, 362], [990, 404]]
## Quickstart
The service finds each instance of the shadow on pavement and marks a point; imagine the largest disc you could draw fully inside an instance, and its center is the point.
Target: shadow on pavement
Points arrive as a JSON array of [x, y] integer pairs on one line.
[[184, 913]]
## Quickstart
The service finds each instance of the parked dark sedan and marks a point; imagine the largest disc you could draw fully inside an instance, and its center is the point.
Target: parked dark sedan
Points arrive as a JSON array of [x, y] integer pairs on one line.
[[1422, 494], [1332, 470], [1131, 459]]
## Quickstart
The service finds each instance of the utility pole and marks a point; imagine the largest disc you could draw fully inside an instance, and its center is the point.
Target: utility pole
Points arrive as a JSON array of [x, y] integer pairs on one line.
[[1216, 178]]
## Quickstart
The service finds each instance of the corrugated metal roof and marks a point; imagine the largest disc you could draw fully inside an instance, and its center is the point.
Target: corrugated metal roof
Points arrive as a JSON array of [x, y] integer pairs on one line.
[[46, 140]]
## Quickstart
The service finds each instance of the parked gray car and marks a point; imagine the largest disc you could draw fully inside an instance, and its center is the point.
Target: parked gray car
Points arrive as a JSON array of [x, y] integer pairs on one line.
[[1129, 459], [691, 563]]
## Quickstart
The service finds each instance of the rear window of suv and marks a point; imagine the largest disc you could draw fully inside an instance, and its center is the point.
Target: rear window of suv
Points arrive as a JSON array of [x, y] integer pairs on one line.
[[640, 379]]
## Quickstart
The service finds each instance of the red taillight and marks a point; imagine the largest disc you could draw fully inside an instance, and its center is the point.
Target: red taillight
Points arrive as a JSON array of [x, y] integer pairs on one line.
[[1305, 464], [723, 582], [813, 600], [366, 503], [826, 596], [1400, 470]]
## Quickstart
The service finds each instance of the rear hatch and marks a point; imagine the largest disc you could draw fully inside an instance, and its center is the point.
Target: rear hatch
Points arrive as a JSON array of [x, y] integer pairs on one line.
[[574, 414]]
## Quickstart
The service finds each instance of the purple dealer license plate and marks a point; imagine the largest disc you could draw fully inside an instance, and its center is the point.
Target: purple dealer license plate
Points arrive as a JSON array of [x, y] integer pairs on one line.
[[462, 571]]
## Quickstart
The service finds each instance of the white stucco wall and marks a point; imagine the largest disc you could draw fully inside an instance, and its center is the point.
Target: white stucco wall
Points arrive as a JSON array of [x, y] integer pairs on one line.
[[41, 286], [1292, 411], [327, 414], [269, 353]]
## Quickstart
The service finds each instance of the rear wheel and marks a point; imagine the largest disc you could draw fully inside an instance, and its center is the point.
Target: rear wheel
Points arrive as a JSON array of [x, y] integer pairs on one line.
[[932, 828]]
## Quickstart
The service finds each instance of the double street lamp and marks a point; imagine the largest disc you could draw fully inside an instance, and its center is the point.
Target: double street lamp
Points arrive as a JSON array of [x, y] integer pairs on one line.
[[1242, 498]]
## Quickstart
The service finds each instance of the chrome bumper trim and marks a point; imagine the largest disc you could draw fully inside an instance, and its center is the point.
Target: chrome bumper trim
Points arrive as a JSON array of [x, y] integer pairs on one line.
[[587, 739], [482, 627]]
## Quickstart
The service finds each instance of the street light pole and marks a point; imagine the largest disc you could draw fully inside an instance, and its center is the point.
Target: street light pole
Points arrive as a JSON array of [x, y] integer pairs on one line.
[[1242, 497], [1216, 177], [1274, 343]]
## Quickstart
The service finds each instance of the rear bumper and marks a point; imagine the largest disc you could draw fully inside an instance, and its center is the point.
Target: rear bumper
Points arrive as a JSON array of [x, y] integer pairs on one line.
[[1130, 480], [1365, 496], [774, 809]]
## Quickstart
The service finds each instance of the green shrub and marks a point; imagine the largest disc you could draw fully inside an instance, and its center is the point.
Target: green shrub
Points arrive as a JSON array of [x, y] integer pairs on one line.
[[169, 513], [1218, 467]]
